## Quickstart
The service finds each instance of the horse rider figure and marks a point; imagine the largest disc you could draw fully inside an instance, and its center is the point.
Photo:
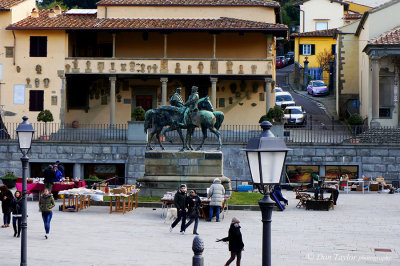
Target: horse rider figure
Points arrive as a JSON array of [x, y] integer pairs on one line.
[[191, 103], [176, 99]]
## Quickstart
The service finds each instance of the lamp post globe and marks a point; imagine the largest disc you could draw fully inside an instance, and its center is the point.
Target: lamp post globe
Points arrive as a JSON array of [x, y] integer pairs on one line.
[[25, 134], [266, 155]]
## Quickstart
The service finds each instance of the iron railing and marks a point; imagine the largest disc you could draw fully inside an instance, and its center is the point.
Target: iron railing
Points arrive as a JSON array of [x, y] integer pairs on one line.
[[66, 132], [311, 133]]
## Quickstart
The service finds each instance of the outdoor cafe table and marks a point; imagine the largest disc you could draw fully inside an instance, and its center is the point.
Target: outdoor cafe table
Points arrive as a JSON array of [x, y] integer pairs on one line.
[[124, 202], [37, 187]]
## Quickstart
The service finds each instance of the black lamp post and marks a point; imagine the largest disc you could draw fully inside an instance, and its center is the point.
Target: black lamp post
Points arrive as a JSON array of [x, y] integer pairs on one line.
[[266, 156], [25, 133]]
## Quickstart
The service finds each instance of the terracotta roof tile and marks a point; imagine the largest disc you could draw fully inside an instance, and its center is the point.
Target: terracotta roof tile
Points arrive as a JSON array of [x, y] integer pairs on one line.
[[78, 22], [7, 4], [317, 33], [353, 16], [391, 37], [188, 3]]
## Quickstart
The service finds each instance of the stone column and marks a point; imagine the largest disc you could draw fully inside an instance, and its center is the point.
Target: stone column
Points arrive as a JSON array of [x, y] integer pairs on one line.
[[113, 45], [305, 81], [374, 61], [112, 100], [214, 91], [268, 92], [214, 45], [63, 96], [165, 45], [164, 91], [76, 171]]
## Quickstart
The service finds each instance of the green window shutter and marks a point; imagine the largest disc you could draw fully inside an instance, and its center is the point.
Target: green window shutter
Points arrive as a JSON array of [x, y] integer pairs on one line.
[[300, 49], [312, 49]]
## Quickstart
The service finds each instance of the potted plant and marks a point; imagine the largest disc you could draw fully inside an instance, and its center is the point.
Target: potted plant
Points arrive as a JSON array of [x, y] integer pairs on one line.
[[138, 113], [45, 116], [9, 180], [355, 121], [91, 180]]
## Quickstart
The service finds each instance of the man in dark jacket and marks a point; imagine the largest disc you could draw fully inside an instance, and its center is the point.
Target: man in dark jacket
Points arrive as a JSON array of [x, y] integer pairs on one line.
[[193, 204], [180, 204], [49, 176]]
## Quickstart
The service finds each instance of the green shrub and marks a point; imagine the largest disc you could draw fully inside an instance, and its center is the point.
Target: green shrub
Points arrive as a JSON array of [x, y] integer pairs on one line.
[[274, 114], [9, 176], [355, 120], [92, 178], [138, 113], [45, 116]]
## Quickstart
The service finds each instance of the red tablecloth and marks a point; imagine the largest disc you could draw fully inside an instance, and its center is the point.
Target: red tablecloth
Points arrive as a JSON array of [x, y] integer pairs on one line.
[[56, 187]]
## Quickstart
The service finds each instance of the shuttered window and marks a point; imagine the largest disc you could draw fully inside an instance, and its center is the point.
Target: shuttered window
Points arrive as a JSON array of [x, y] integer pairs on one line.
[[38, 46], [36, 100], [307, 49]]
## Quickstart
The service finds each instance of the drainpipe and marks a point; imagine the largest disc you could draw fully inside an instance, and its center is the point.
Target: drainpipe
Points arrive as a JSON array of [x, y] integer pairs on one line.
[[304, 18], [15, 46]]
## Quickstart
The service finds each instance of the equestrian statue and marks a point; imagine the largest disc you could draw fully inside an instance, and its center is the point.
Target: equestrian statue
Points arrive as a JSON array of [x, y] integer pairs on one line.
[[179, 115]]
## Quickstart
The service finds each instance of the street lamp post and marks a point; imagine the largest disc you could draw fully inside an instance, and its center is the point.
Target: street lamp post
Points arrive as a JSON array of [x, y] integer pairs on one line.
[[25, 133], [266, 156]]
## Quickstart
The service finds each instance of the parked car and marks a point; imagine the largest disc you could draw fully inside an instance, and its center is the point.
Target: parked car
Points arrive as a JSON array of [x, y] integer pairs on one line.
[[284, 99], [290, 56], [294, 115], [317, 87], [284, 61], [278, 89], [279, 62]]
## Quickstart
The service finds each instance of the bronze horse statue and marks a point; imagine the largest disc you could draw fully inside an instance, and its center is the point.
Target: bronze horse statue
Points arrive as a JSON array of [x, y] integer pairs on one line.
[[205, 118]]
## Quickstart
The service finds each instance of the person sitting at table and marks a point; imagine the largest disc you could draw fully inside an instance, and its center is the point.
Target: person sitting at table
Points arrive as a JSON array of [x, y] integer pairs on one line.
[[193, 205], [49, 176]]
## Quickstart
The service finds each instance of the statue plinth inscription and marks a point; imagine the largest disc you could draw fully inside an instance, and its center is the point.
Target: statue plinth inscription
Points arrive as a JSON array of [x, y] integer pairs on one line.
[[166, 170]]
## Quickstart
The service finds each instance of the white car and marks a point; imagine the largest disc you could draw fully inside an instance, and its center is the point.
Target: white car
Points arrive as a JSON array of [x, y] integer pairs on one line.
[[294, 115], [278, 89], [284, 99]]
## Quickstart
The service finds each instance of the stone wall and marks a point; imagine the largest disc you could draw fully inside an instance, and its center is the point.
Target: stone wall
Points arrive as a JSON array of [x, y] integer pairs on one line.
[[372, 160]]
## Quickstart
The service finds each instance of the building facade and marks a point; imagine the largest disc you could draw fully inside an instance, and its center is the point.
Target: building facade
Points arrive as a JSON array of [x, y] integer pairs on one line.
[[96, 66]]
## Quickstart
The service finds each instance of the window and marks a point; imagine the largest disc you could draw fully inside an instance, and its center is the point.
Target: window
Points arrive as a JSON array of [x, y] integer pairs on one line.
[[307, 49], [36, 100], [38, 46], [336, 171], [321, 25], [9, 52], [333, 49]]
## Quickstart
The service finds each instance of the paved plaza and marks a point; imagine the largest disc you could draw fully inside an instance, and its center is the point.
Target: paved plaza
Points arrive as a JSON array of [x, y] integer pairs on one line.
[[347, 235]]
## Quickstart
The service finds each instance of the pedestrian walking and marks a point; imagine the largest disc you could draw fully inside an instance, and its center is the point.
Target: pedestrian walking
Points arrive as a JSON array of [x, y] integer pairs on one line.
[[180, 204], [235, 242], [46, 204], [49, 176], [16, 206], [216, 194], [6, 198], [193, 206]]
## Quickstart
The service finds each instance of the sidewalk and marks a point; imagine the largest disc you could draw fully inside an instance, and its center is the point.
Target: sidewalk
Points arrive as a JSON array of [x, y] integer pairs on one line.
[[347, 235]]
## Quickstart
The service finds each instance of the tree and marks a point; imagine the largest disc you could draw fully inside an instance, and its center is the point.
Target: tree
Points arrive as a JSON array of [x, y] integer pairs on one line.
[[323, 59]]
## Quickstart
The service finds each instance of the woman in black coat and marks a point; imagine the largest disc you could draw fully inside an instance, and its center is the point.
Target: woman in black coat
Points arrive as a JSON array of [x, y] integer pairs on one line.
[[235, 242], [6, 198], [17, 212], [194, 204]]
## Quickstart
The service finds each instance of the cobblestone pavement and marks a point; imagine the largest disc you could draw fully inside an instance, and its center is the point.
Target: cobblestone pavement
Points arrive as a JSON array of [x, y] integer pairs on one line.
[[347, 235]]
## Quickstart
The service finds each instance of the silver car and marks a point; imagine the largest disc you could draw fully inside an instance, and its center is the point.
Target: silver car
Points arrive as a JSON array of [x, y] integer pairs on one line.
[[294, 115]]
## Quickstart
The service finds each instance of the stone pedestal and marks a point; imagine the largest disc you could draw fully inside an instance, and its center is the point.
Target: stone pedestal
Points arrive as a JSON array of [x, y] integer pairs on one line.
[[167, 170]]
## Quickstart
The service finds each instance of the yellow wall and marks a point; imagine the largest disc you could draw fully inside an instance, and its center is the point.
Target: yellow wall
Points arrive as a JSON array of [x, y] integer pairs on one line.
[[263, 14], [321, 44], [49, 65], [357, 7]]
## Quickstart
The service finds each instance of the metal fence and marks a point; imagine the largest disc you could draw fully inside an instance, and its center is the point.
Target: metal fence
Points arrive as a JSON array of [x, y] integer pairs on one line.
[[66, 132], [317, 133]]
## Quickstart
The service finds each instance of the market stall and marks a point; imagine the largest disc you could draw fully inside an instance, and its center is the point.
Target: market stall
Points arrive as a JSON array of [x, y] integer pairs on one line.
[[37, 185], [125, 198]]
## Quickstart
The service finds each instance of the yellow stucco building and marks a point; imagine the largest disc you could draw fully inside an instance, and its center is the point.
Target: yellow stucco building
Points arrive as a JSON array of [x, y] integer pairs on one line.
[[368, 69], [97, 65]]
